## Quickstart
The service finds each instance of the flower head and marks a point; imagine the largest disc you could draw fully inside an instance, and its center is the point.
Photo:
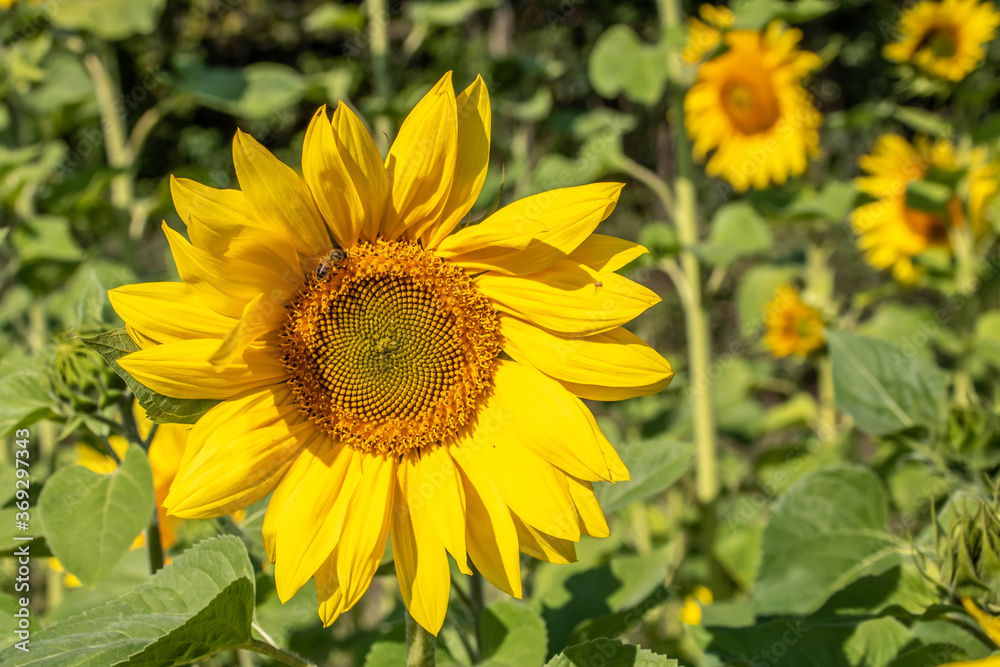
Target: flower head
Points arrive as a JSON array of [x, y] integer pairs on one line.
[[384, 374], [748, 105], [706, 34], [793, 326], [891, 232], [944, 39]]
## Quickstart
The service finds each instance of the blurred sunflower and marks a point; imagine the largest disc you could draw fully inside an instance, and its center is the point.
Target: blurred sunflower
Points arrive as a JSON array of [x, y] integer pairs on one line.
[[357, 346], [706, 34], [749, 106], [944, 39], [691, 610], [892, 233], [793, 326]]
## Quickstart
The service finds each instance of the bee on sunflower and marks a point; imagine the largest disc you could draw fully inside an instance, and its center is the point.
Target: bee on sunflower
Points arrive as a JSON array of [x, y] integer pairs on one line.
[[891, 232], [426, 386], [793, 326], [748, 108], [945, 38]]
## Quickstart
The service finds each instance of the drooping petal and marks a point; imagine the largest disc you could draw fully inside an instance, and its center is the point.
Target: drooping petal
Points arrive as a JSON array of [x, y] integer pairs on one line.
[[181, 369], [261, 315], [309, 511], [420, 559], [330, 181], [592, 521], [606, 253], [553, 223], [544, 547], [548, 420], [364, 165], [279, 198], [492, 538], [421, 162], [168, 312], [474, 123], [236, 454], [569, 298], [434, 484], [616, 358]]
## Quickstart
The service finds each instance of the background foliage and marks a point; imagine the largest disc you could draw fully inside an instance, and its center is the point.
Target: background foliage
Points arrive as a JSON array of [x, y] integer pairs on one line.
[[843, 535]]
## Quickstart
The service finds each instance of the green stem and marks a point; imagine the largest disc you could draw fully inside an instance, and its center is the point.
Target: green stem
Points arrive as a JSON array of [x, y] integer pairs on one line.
[[113, 124], [419, 644], [827, 423], [284, 657], [378, 29], [651, 180], [686, 218]]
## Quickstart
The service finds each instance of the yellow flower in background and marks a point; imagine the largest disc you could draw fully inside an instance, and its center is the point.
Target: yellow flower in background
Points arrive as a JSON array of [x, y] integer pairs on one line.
[[354, 338], [793, 326], [891, 233], [991, 626], [748, 105], [691, 611], [944, 39], [705, 35]]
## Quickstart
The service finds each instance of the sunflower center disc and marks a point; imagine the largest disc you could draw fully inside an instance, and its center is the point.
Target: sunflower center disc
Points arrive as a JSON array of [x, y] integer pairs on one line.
[[392, 350], [942, 42], [750, 104]]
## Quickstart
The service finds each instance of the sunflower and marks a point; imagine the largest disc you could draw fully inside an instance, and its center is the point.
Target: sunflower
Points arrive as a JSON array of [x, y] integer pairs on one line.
[[944, 39], [892, 233], [749, 106], [793, 326], [705, 35], [385, 369]]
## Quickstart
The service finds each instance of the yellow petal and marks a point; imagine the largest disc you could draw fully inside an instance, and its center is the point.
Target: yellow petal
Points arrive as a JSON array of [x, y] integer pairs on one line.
[[592, 521], [474, 123], [181, 369], [364, 165], [309, 511], [569, 298], [237, 453], [421, 162], [141, 339], [606, 253], [362, 542], [548, 421], [222, 222], [616, 358], [552, 224], [492, 538], [329, 591], [280, 200], [330, 182], [420, 559], [168, 312], [434, 483], [261, 315], [225, 283], [544, 547], [595, 392], [989, 624], [280, 504]]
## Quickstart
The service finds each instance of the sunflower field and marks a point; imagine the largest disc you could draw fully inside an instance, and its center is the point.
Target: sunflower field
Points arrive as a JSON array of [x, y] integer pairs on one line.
[[270, 271]]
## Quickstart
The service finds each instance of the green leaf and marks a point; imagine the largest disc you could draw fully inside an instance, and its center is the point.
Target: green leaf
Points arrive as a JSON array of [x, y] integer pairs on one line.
[[24, 397], [876, 642], [791, 643], [200, 604], [827, 531], [654, 465], [884, 389], [386, 654], [110, 19], [737, 231], [512, 634], [756, 289], [90, 520], [10, 605], [113, 345], [924, 121], [609, 653], [256, 91], [447, 12], [622, 63], [929, 196], [755, 14]]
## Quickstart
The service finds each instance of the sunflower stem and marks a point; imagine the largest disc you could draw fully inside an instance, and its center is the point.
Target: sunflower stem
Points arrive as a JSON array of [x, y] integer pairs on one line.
[[827, 423], [419, 644], [696, 315], [378, 34]]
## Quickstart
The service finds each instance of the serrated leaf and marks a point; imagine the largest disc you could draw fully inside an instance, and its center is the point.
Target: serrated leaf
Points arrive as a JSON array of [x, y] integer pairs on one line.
[[90, 520], [196, 606], [884, 389], [827, 531], [654, 465], [110, 19], [622, 63], [115, 344], [512, 634], [609, 653]]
